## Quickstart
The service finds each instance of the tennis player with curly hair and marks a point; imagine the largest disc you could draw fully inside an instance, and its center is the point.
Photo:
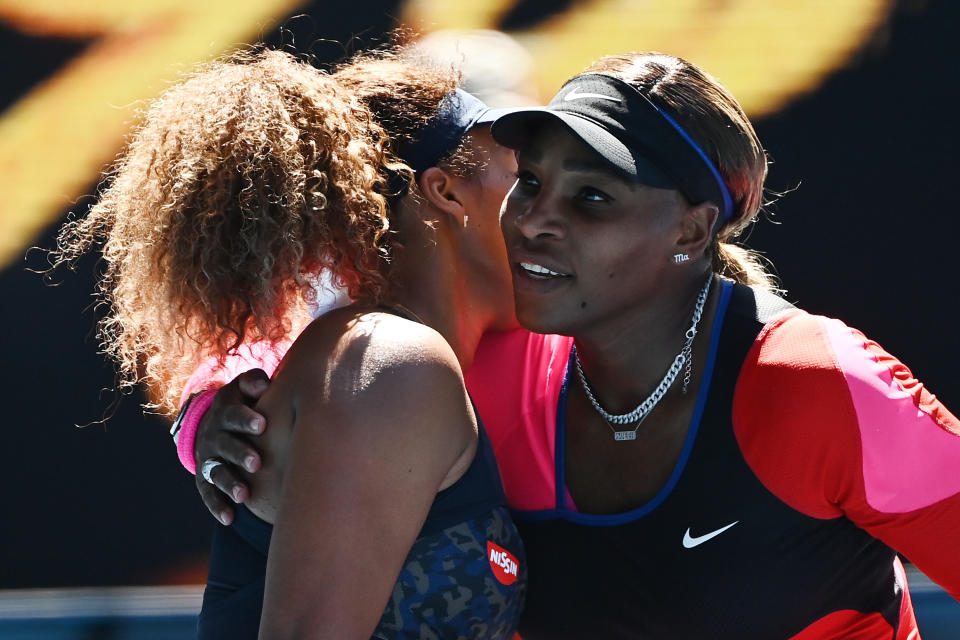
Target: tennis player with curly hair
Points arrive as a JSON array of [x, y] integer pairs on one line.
[[379, 499]]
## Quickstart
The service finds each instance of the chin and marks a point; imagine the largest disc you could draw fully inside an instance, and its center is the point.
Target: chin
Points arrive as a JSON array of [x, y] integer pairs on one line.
[[538, 321]]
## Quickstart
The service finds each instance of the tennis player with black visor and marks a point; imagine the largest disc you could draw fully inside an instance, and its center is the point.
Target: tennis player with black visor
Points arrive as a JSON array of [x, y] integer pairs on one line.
[[686, 454]]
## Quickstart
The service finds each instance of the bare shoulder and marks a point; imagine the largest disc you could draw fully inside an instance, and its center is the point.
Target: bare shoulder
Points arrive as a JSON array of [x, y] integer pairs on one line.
[[353, 348], [366, 364]]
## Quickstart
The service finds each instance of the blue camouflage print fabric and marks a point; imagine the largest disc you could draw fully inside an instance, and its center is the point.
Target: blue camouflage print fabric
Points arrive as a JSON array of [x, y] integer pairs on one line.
[[464, 577], [450, 586]]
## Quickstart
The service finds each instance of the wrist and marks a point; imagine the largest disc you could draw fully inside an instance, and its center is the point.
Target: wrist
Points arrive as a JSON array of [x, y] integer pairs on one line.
[[184, 429]]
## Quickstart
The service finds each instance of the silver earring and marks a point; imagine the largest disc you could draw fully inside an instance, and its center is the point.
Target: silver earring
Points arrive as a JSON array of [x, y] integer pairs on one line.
[[465, 218], [680, 257]]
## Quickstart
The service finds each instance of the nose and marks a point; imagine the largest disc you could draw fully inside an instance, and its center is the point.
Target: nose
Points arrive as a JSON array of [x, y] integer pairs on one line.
[[535, 218]]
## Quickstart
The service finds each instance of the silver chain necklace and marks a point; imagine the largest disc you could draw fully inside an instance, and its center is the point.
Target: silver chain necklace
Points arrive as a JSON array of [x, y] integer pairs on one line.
[[684, 360]]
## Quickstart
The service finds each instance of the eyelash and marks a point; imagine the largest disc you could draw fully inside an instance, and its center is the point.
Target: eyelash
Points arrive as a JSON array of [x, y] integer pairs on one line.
[[523, 176], [528, 182], [587, 192]]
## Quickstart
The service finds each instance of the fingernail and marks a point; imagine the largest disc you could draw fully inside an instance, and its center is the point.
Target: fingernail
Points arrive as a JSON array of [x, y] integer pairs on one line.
[[225, 518], [249, 463], [237, 493]]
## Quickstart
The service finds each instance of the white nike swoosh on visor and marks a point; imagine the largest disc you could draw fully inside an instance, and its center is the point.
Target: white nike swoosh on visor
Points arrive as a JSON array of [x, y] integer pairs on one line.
[[689, 542], [573, 94]]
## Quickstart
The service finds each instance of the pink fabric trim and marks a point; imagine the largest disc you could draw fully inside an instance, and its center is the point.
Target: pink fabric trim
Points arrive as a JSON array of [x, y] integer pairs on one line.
[[515, 380], [214, 373], [909, 460], [188, 429], [534, 484]]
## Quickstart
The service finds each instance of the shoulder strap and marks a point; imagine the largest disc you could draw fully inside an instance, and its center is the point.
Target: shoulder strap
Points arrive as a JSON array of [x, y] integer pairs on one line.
[[758, 304]]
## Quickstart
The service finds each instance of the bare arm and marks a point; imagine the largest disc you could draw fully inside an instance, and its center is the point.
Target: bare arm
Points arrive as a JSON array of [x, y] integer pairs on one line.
[[375, 436]]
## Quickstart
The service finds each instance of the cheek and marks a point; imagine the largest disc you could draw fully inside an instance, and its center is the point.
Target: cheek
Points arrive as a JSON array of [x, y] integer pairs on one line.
[[499, 176], [495, 189], [618, 257], [504, 187], [508, 213], [511, 224], [498, 197]]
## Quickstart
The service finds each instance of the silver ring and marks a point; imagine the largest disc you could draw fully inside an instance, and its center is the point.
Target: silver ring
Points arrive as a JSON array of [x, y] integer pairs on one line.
[[208, 466]]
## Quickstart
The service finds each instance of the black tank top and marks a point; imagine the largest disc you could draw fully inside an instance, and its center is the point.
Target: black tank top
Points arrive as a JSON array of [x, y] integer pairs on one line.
[[656, 573]]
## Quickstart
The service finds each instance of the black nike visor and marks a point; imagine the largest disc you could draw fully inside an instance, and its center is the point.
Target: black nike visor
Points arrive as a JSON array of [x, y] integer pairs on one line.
[[630, 133]]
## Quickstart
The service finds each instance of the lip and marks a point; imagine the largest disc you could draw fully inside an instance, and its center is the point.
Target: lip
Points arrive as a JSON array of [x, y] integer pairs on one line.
[[537, 272], [519, 256]]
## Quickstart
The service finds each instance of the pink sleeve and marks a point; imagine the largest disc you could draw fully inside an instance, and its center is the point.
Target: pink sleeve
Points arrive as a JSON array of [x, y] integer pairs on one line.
[[515, 382], [834, 425], [214, 373]]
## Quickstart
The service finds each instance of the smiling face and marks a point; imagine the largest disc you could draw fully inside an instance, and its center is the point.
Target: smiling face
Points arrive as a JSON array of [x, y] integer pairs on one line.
[[589, 251]]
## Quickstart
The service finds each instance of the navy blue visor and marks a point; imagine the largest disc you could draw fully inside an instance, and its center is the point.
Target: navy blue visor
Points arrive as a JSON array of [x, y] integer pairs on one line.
[[458, 112]]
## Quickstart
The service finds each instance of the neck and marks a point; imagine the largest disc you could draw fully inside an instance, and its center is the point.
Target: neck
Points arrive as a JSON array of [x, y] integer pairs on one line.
[[461, 333], [625, 363], [427, 279]]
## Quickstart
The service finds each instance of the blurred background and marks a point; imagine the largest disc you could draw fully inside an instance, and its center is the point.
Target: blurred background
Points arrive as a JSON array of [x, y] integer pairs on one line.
[[856, 101]]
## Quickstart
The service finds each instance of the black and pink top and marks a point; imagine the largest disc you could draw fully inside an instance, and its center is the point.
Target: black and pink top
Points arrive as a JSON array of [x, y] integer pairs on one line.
[[812, 455]]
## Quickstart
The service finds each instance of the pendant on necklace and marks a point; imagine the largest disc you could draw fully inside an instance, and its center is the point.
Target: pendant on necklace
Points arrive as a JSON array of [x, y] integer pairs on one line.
[[625, 436]]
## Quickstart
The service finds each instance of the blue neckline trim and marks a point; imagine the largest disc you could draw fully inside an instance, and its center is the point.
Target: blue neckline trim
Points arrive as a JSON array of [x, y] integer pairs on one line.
[[561, 512]]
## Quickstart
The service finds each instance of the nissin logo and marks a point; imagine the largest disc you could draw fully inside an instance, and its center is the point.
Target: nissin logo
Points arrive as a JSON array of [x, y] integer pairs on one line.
[[503, 563]]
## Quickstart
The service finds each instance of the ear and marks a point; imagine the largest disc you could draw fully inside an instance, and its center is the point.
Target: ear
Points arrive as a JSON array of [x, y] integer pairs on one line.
[[444, 192], [696, 229]]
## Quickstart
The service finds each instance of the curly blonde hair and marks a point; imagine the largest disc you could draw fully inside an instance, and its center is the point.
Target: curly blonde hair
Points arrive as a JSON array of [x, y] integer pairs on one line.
[[244, 180]]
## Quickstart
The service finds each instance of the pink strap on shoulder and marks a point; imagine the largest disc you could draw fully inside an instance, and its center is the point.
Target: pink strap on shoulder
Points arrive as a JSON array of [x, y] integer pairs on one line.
[[188, 428]]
